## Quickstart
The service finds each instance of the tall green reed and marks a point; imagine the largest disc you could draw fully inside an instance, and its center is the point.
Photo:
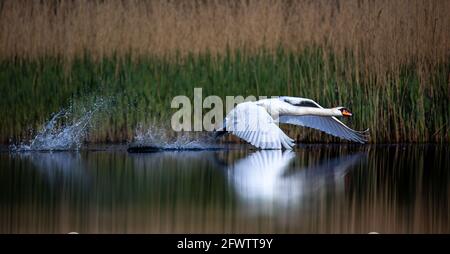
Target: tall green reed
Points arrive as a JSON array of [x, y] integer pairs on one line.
[[398, 108]]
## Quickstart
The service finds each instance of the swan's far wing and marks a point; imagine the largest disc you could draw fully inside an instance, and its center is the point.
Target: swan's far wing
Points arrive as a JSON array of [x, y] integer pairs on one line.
[[302, 102], [253, 124], [330, 125]]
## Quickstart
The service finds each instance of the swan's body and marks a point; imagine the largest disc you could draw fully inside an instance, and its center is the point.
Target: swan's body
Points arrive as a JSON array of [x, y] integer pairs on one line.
[[256, 122]]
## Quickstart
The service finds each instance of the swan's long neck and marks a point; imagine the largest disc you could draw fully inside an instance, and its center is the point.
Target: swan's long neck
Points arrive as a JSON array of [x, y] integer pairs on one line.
[[302, 111]]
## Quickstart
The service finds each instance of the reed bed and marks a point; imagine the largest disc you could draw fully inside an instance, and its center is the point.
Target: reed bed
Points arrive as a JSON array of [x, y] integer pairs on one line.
[[389, 61]]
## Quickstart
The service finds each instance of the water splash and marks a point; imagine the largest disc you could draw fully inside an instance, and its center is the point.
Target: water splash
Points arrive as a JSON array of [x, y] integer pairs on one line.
[[63, 131], [164, 140]]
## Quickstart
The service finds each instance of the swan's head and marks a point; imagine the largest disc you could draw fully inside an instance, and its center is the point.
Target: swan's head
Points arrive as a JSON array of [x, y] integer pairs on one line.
[[342, 111]]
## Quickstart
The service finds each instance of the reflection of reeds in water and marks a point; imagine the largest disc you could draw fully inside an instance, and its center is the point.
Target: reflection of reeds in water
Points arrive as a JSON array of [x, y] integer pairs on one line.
[[398, 189], [387, 60]]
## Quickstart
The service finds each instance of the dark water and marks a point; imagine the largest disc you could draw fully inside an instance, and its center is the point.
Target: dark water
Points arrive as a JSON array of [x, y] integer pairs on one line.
[[314, 189]]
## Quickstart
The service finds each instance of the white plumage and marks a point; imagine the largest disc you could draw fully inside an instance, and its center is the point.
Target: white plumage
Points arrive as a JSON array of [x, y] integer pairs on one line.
[[257, 122], [254, 124]]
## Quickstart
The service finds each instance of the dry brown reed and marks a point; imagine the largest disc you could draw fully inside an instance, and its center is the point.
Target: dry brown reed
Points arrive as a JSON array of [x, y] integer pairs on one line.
[[381, 34]]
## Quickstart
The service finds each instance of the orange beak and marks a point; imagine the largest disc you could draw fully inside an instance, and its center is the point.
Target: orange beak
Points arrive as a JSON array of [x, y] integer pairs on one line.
[[346, 113]]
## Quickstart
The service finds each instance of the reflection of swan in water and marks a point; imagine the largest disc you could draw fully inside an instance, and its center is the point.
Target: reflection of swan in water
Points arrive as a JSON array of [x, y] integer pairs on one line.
[[259, 175], [265, 177]]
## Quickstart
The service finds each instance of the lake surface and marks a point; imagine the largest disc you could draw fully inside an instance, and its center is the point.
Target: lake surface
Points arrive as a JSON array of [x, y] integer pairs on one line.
[[313, 189]]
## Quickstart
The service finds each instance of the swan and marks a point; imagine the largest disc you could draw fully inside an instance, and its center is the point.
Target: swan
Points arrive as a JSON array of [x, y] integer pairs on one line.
[[256, 121]]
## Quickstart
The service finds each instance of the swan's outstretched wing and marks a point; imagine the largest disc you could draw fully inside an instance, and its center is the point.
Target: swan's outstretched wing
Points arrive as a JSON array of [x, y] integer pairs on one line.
[[253, 124], [330, 125], [301, 102]]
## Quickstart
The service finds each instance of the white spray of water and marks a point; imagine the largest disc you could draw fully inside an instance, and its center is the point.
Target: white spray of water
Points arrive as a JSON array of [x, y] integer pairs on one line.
[[160, 138], [68, 136]]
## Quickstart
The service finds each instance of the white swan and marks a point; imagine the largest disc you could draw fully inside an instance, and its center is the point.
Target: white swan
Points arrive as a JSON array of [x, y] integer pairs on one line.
[[256, 122]]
